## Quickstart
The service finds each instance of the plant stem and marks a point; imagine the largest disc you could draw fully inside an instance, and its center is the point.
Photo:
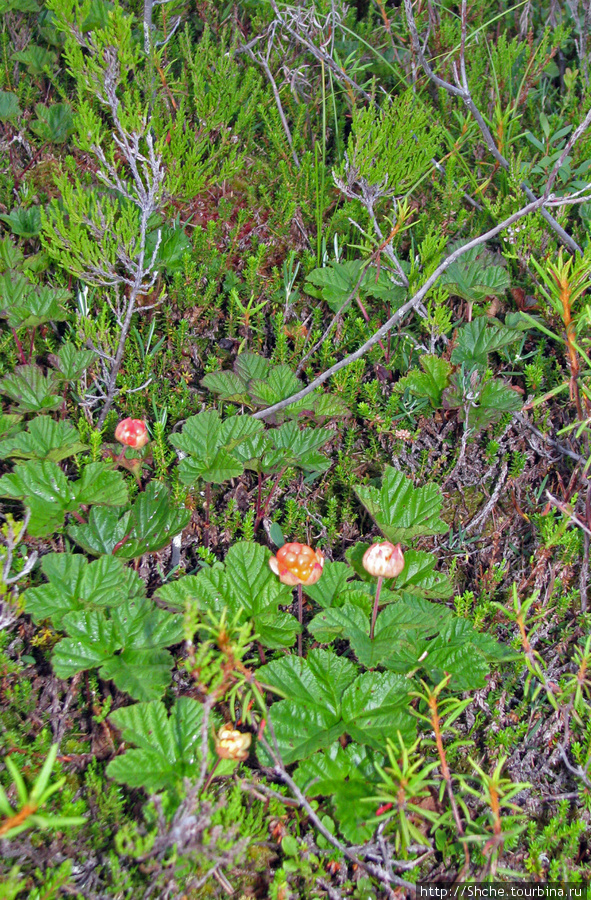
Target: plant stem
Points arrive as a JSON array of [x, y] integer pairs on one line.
[[376, 603], [19, 347], [211, 774], [300, 617]]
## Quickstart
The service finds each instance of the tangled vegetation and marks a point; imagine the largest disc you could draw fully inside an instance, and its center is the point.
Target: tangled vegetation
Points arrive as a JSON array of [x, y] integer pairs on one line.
[[294, 447]]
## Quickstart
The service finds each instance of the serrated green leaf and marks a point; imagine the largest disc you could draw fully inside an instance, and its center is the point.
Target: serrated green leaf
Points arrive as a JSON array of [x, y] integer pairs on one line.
[[93, 640], [9, 108], [73, 363], [419, 576], [249, 366], [13, 289], [75, 584], [375, 706], [476, 339], [350, 622], [104, 530], [215, 470], [246, 582], [36, 306], [43, 487], [30, 389], [491, 399], [11, 256], [44, 439], [54, 124], [23, 222], [346, 776], [127, 647], [401, 511], [200, 435], [37, 59], [337, 282], [429, 383], [153, 522], [477, 274], [10, 425], [326, 698], [278, 384], [227, 385], [383, 287], [331, 589], [143, 674], [295, 446], [102, 485], [209, 444], [168, 746], [309, 718], [177, 594]]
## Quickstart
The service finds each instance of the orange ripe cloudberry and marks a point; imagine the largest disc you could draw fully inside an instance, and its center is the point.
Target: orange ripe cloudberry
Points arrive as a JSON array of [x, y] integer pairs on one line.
[[297, 564]]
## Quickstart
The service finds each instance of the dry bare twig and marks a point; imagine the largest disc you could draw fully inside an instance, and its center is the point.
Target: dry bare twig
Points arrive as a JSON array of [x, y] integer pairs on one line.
[[411, 304], [461, 89]]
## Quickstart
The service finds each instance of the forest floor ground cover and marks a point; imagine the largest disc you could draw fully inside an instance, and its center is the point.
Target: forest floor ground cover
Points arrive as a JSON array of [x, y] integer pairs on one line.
[[308, 274]]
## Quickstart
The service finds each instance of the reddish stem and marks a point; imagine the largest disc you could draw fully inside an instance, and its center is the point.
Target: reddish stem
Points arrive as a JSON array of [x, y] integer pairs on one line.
[[376, 603], [121, 542], [300, 617], [32, 161], [258, 514], [19, 347], [366, 317]]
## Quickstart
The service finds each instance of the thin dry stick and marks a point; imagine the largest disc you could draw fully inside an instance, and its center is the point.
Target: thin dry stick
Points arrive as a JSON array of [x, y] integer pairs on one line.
[[567, 511], [402, 311], [535, 205], [462, 90], [263, 62], [483, 515]]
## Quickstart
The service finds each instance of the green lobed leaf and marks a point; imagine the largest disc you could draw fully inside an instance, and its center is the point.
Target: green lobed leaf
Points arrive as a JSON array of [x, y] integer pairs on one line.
[[54, 124], [326, 698], [127, 646], [213, 447], [478, 338], [167, 746], [73, 363], [429, 383], [102, 485], [75, 584], [477, 274], [44, 439], [25, 223], [43, 487], [246, 582], [278, 384], [104, 530], [345, 775], [402, 511], [9, 108], [375, 706], [153, 522], [337, 282], [30, 389], [227, 385], [331, 589]]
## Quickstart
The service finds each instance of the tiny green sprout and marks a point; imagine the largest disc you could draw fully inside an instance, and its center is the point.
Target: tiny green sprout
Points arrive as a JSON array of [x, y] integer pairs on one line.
[[15, 821]]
